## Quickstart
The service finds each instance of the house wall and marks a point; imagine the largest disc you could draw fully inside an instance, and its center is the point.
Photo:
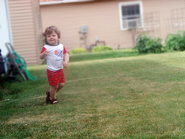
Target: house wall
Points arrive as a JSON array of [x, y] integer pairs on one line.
[[25, 29], [168, 16], [102, 20], [100, 17], [38, 25]]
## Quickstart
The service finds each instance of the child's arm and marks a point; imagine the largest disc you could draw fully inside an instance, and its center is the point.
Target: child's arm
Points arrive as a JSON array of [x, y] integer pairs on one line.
[[44, 54], [65, 63]]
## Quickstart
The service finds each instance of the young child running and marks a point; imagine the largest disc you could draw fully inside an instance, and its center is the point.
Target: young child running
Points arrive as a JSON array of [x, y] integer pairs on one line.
[[57, 59]]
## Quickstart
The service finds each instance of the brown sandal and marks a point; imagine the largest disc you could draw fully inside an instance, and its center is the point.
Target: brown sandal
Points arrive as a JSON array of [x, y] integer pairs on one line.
[[54, 101], [47, 98]]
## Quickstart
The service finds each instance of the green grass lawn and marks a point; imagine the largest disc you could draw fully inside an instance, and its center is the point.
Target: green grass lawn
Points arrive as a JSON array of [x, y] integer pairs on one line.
[[127, 97], [103, 55]]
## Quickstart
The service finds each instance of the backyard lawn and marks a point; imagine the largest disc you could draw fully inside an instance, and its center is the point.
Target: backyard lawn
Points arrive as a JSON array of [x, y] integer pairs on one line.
[[139, 96]]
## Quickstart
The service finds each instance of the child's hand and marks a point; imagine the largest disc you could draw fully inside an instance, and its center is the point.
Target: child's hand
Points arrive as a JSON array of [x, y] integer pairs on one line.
[[65, 64], [46, 52]]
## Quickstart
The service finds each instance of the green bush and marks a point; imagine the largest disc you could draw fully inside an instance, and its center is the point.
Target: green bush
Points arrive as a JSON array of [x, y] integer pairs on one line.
[[77, 51], [176, 41], [148, 44], [101, 48]]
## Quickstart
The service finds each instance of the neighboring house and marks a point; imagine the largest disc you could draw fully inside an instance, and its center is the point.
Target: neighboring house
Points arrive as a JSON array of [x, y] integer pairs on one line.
[[110, 20], [21, 26]]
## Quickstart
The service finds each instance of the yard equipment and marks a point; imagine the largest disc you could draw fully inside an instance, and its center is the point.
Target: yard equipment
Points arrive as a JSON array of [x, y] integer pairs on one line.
[[3, 67], [17, 66]]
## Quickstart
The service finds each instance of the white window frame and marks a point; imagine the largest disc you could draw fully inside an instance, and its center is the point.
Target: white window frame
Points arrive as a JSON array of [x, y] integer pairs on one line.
[[130, 3]]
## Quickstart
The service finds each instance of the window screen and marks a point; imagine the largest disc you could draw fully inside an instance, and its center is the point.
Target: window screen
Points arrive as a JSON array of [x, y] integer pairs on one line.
[[130, 11]]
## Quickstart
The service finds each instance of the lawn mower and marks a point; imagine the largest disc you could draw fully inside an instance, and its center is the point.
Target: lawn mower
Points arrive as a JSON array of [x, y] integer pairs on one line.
[[14, 66]]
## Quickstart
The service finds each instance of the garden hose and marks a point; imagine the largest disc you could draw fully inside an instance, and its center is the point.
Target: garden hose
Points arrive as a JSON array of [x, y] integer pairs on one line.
[[19, 60]]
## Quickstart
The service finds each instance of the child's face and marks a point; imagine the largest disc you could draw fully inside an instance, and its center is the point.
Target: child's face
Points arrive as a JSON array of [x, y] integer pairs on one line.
[[52, 38]]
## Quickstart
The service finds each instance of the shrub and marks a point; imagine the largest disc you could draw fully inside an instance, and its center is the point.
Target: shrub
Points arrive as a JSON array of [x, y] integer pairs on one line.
[[101, 48], [77, 51], [176, 41], [148, 44]]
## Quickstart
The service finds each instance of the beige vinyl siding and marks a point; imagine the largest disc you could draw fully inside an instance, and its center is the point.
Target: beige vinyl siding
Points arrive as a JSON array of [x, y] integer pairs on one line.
[[164, 9], [38, 24], [25, 34], [102, 20], [100, 17]]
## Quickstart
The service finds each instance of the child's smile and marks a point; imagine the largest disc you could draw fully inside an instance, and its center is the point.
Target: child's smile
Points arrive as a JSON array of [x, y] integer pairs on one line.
[[52, 39]]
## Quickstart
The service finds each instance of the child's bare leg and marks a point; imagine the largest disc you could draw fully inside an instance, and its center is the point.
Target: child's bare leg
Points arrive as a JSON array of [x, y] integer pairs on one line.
[[61, 85], [53, 91]]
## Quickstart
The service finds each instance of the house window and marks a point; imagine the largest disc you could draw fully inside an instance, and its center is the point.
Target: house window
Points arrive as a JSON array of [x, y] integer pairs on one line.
[[131, 15]]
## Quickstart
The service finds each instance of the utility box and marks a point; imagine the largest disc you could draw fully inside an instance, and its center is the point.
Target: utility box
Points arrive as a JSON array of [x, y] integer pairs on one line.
[[83, 29]]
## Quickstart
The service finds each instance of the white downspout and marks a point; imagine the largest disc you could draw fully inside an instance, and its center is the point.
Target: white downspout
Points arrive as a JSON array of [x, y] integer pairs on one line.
[[8, 21]]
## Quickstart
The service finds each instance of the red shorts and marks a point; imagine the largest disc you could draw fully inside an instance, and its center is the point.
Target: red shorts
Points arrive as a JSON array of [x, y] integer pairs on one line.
[[55, 77]]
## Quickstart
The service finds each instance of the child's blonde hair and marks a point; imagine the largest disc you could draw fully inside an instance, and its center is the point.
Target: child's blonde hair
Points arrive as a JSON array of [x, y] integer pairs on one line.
[[50, 29]]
